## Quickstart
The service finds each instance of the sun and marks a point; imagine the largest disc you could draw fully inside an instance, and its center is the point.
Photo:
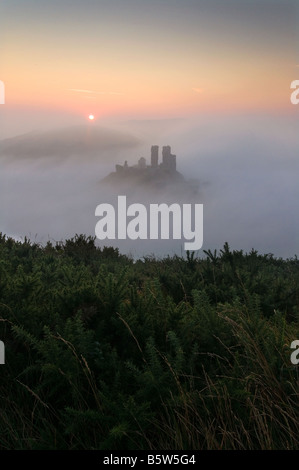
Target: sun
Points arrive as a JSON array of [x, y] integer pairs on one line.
[[91, 117]]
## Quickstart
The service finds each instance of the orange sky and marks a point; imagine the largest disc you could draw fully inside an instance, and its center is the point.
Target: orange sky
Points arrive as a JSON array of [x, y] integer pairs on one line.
[[151, 63]]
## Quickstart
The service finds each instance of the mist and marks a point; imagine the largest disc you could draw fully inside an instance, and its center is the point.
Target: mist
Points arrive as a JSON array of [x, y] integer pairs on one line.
[[246, 166]]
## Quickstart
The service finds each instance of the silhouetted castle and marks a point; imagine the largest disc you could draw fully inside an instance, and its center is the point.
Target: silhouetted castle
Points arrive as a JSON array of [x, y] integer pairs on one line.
[[168, 161], [154, 176]]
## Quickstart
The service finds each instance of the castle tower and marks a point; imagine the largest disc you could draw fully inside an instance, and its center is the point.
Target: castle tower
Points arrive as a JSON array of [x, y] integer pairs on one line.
[[166, 152], [154, 156], [168, 160], [173, 162]]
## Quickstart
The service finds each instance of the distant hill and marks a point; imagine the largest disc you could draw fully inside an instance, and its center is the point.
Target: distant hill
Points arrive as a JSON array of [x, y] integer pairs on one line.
[[85, 141]]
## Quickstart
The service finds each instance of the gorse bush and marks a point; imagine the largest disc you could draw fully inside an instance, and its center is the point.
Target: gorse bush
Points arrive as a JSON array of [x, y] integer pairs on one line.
[[172, 354]]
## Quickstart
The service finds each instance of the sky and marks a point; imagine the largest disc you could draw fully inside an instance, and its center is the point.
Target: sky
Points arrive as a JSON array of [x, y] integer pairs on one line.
[[164, 58], [211, 79]]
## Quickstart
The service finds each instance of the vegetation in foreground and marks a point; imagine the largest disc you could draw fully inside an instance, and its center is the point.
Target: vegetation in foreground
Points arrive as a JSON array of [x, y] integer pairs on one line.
[[172, 354]]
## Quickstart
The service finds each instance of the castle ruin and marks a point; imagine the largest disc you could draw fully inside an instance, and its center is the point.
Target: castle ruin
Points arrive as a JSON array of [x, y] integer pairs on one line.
[[157, 175], [168, 161]]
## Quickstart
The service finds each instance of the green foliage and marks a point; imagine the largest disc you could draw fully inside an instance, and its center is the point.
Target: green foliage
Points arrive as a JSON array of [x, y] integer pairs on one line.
[[178, 353]]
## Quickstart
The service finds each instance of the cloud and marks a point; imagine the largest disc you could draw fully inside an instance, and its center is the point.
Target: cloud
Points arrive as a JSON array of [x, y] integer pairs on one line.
[[198, 90], [79, 90], [247, 168]]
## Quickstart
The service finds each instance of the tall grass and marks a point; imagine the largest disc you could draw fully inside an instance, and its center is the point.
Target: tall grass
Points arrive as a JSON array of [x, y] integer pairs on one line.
[[173, 354]]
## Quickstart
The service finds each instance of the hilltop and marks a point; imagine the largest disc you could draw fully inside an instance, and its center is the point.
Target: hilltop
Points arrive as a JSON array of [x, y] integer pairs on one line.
[[156, 176]]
